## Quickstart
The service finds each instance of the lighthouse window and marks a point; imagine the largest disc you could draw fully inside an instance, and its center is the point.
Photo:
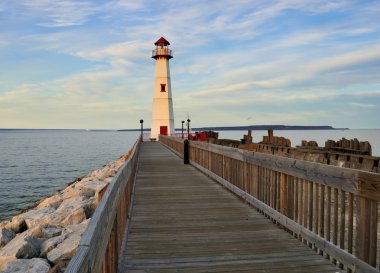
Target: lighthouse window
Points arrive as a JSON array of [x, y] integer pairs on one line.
[[163, 87]]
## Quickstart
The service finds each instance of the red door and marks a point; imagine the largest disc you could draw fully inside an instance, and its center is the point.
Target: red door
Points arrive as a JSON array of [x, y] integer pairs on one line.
[[164, 130]]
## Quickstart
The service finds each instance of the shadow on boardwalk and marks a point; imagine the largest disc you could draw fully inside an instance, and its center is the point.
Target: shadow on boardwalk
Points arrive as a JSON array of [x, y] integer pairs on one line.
[[182, 221]]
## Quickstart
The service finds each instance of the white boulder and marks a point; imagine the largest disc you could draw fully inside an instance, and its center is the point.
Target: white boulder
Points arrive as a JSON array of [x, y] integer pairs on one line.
[[52, 201], [35, 217], [24, 246], [50, 244], [35, 265], [68, 247]]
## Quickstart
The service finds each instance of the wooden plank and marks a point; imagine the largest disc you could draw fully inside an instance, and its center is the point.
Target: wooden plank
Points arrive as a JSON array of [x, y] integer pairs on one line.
[[350, 224], [346, 258], [284, 193]]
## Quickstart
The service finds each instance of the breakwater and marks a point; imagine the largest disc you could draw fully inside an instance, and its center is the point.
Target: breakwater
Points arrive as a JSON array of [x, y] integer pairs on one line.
[[47, 235], [37, 163]]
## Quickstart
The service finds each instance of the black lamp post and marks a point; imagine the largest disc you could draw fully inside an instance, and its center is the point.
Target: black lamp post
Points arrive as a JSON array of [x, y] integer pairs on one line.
[[182, 127], [188, 128], [142, 122]]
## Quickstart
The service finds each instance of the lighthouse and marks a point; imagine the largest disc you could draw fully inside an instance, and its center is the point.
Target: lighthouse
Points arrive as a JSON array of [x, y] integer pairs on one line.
[[162, 107]]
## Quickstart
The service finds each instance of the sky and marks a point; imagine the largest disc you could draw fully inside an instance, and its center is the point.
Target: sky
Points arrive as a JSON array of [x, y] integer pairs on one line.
[[87, 64]]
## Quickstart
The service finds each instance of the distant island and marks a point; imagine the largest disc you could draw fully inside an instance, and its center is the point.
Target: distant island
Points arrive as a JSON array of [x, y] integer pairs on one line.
[[254, 127], [266, 127]]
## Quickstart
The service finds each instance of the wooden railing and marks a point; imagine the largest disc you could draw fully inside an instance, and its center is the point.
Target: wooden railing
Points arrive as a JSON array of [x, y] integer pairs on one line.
[[100, 246], [334, 210]]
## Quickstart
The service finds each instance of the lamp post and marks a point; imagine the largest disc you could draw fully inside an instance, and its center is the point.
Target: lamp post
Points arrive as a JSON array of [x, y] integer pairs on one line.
[[182, 127], [142, 122], [188, 128]]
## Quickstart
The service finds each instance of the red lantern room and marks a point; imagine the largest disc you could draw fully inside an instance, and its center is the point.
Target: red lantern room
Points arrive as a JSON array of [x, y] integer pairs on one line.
[[162, 49]]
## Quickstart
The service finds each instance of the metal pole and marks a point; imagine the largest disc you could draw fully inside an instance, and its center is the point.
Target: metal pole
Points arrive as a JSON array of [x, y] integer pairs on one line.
[[141, 122], [188, 128], [182, 127], [186, 152]]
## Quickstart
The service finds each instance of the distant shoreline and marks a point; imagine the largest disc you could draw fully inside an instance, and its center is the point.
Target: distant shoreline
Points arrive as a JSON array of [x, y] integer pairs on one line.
[[266, 127], [254, 127], [216, 128]]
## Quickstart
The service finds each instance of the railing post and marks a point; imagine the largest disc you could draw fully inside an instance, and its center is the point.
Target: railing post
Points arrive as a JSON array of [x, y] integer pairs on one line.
[[284, 201], [186, 152], [366, 221]]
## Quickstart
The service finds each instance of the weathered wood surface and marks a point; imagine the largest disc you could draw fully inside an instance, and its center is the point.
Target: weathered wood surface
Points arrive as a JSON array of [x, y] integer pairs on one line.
[[335, 210], [182, 221]]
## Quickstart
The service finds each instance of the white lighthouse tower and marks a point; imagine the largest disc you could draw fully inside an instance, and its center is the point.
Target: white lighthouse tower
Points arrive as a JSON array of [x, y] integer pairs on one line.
[[162, 108]]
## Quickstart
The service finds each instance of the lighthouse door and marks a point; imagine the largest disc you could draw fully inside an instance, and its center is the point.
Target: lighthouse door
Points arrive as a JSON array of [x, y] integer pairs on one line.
[[164, 130]]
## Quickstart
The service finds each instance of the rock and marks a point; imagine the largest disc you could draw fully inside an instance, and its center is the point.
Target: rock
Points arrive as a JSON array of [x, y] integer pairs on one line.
[[52, 201], [4, 224], [60, 267], [50, 244], [95, 185], [104, 172], [65, 250], [71, 205], [76, 217], [17, 225], [6, 235], [35, 265], [36, 217], [68, 247], [24, 246], [80, 228], [74, 191], [49, 232]]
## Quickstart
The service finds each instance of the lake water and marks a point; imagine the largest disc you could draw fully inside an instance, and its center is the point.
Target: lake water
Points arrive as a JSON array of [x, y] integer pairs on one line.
[[34, 164]]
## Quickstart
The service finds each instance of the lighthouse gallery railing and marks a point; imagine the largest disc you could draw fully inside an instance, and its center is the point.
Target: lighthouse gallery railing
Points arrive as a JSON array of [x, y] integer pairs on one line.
[[333, 210], [101, 244]]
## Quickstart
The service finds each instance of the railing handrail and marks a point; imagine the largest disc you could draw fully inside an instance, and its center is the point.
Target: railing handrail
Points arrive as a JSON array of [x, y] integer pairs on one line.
[[94, 241], [359, 182]]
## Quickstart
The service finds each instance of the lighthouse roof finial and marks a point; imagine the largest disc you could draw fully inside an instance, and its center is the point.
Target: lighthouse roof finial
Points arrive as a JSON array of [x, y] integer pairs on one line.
[[162, 41]]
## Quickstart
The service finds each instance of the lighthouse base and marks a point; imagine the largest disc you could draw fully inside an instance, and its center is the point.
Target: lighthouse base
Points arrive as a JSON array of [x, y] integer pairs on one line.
[[161, 127]]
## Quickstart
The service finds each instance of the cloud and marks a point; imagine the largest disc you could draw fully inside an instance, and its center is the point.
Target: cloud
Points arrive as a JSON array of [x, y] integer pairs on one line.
[[363, 105], [62, 13], [230, 57], [119, 55], [89, 98], [3, 43]]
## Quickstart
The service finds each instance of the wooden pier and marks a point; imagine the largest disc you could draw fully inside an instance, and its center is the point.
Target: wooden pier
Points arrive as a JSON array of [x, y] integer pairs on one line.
[[231, 210], [182, 221]]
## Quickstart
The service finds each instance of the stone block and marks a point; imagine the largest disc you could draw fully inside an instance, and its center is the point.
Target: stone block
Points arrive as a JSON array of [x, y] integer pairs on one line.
[[35, 217], [24, 246], [52, 201], [35, 265]]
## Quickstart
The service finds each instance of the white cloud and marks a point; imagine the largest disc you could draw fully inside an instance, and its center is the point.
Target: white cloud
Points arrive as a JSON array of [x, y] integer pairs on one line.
[[363, 105], [3, 43], [229, 55], [62, 13], [120, 54], [88, 98]]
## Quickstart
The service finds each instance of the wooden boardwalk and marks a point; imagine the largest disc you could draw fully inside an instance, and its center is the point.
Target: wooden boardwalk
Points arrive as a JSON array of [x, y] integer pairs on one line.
[[182, 221]]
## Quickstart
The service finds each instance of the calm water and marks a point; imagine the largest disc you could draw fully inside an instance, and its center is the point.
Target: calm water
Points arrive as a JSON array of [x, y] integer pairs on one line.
[[296, 136], [34, 164]]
